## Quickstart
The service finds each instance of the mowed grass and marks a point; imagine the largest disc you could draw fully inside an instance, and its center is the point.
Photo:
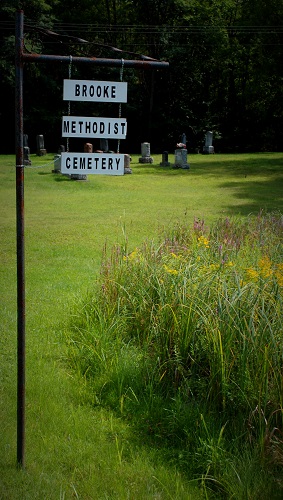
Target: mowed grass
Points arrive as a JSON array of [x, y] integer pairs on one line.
[[72, 449]]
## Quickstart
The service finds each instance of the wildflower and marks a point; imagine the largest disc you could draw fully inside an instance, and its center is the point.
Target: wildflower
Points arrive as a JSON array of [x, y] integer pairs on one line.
[[265, 267], [175, 256], [170, 271], [213, 267], [252, 274], [203, 241], [134, 256]]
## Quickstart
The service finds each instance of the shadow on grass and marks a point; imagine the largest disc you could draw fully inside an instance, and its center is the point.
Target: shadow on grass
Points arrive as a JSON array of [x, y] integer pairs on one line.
[[215, 166], [61, 178], [266, 195], [257, 179]]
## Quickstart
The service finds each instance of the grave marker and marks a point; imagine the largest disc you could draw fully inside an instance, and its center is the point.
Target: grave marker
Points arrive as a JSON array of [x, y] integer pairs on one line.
[[145, 153], [165, 162], [208, 148], [40, 150]]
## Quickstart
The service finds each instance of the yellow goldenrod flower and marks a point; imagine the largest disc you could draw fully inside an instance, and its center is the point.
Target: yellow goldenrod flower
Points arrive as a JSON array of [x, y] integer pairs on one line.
[[265, 267], [213, 267], [202, 240], [175, 256], [252, 274], [134, 256], [170, 271]]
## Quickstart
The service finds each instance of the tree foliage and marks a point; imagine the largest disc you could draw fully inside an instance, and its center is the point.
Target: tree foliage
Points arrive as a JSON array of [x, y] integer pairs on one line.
[[225, 70]]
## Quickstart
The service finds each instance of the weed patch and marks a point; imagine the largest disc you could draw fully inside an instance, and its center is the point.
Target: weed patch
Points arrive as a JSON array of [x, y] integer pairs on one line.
[[183, 339]]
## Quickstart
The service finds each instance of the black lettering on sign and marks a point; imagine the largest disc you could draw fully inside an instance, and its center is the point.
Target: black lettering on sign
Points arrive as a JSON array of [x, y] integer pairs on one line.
[[65, 127], [82, 163], [73, 128], [113, 92], [77, 90], [91, 90], [75, 162], [105, 91], [98, 91], [103, 163], [84, 90], [68, 162], [116, 128], [89, 163], [102, 128], [110, 164]]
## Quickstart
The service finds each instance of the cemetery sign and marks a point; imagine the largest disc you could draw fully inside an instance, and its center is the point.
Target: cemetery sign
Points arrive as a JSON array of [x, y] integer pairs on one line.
[[89, 90], [80, 164], [92, 163], [107, 128]]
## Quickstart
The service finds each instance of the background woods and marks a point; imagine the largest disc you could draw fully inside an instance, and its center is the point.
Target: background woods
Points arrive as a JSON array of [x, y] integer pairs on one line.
[[225, 70]]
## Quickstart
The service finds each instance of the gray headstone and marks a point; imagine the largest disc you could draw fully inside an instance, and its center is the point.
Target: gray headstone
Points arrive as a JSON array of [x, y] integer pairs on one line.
[[127, 162], [27, 160], [145, 153], [40, 150], [208, 148], [61, 149], [78, 177], [25, 138], [57, 164], [181, 158]]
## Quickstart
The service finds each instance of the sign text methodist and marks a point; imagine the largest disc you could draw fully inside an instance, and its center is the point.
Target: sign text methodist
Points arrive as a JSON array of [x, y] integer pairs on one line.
[[82, 126]]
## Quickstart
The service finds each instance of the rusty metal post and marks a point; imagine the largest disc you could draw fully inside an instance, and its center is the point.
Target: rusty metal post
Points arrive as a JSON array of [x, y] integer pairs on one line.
[[20, 242], [20, 58]]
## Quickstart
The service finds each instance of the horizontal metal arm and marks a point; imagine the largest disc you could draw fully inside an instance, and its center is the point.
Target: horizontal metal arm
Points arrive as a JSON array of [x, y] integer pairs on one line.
[[94, 60]]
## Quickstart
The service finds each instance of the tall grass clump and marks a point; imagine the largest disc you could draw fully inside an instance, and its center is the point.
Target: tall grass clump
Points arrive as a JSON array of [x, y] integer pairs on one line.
[[184, 338]]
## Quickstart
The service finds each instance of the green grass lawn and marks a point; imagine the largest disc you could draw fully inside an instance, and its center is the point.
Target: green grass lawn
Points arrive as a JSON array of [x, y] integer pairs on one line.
[[75, 450]]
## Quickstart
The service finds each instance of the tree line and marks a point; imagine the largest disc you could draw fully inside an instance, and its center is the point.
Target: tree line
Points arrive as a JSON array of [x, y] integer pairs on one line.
[[225, 70]]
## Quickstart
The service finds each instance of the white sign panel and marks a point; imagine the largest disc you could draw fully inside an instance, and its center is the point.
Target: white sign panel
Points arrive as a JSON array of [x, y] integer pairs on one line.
[[89, 90], [107, 128], [92, 163]]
